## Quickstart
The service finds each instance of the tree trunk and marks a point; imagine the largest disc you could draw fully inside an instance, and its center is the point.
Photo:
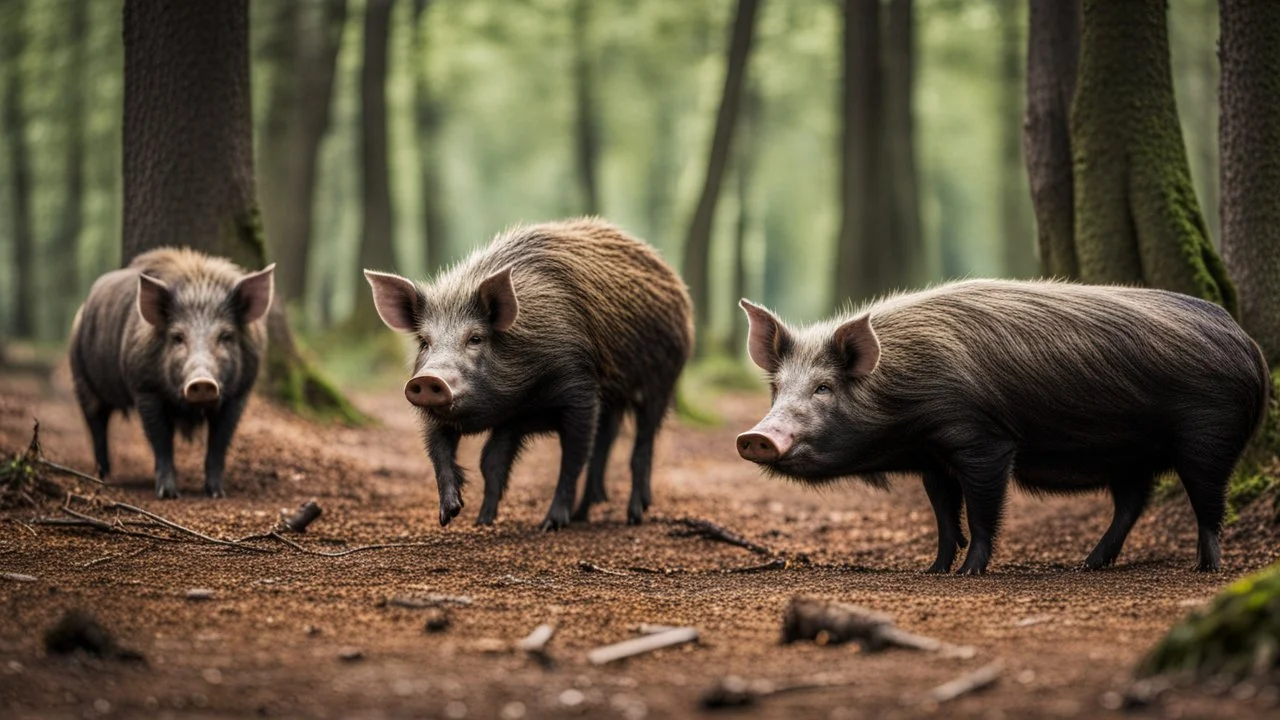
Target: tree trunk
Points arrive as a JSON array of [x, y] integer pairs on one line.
[[429, 116], [1250, 56], [376, 251], [1136, 216], [305, 52], [1053, 58], [864, 261], [697, 246], [188, 159], [744, 169], [586, 124], [1015, 225], [904, 221], [66, 242], [20, 177]]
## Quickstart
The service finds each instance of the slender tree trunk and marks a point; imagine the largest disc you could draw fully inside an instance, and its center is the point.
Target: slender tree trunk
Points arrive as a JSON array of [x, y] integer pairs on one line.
[[1019, 245], [697, 247], [376, 251], [429, 116], [188, 159], [586, 124], [304, 50], [1053, 58], [744, 170], [1250, 56], [20, 178], [1136, 215], [905, 233], [863, 258], [66, 247]]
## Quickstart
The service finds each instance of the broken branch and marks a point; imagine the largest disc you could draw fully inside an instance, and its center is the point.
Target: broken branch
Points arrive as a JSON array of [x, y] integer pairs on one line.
[[641, 645], [979, 679], [183, 529], [697, 527], [302, 517]]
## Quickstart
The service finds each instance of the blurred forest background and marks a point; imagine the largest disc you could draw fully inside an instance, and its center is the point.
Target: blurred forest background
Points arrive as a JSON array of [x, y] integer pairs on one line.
[[424, 127]]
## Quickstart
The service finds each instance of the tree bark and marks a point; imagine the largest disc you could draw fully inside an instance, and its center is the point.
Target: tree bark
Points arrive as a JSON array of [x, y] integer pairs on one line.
[[66, 242], [904, 222], [697, 246], [376, 251], [1015, 225], [744, 170], [429, 116], [188, 159], [1136, 215], [20, 177], [1250, 137], [585, 121], [304, 46], [1053, 58], [864, 260]]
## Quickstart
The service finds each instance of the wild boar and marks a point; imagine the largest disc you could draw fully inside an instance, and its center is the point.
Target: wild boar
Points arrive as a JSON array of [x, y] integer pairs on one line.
[[1058, 387], [554, 328], [179, 335]]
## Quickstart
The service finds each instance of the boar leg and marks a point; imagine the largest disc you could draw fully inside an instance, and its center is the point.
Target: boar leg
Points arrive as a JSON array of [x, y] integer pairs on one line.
[[946, 498], [500, 452], [98, 420], [983, 473], [442, 448], [158, 427], [648, 420], [594, 492], [222, 426], [577, 426], [1205, 479], [1130, 495]]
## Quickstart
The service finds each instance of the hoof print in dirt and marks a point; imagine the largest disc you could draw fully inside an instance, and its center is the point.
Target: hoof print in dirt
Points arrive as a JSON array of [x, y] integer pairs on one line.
[[80, 631]]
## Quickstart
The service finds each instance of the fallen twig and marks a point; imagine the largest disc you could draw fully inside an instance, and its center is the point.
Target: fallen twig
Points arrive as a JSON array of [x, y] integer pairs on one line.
[[535, 644], [18, 577], [427, 601], [68, 471], [778, 563], [118, 556], [340, 553], [302, 517], [182, 528], [697, 527], [641, 645], [827, 622], [592, 567], [979, 679], [79, 519]]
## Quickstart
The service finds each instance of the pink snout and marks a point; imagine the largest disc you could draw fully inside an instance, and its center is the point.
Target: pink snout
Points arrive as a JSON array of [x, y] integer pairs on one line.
[[764, 445], [201, 391], [429, 391]]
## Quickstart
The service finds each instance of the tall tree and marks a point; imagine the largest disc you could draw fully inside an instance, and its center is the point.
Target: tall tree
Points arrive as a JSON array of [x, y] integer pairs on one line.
[[428, 115], [1250, 137], [864, 260], [303, 51], [1053, 56], [904, 216], [13, 41], [188, 158], [376, 250], [1015, 226], [71, 219], [1136, 215], [697, 246], [586, 124], [744, 165]]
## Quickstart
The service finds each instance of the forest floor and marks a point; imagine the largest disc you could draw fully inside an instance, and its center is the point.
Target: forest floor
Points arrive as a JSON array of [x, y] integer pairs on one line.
[[292, 634]]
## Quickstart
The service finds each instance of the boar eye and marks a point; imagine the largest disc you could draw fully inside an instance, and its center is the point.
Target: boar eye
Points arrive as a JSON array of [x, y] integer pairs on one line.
[[474, 340], [225, 337], [822, 389], [177, 338], [423, 344]]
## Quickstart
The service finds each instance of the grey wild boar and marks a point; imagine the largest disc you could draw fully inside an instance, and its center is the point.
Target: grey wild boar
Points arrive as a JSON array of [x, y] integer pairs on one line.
[[555, 328], [1056, 387], [178, 335]]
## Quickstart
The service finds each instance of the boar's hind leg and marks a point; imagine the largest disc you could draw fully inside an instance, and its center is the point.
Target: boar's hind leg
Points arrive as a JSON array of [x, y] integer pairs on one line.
[[158, 427], [500, 452], [1130, 495], [577, 427], [648, 420], [1204, 474], [946, 498], [983, 473], [98, 419], [222, 426], [595, 492]]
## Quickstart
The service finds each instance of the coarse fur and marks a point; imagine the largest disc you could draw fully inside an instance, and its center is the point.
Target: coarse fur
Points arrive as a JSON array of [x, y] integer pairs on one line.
[[206, 321], [1056, 386], [560, 327]]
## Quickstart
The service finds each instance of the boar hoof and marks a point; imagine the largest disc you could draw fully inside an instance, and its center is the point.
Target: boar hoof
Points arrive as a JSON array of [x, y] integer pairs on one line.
[[166, 492], [556, 519], [214, 492], [938, 568], [449, 509], [486, 517]]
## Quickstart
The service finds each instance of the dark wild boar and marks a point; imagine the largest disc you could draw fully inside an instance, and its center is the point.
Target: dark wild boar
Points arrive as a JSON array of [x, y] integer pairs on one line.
[[562, 327], [1055, 386], [178, 335]]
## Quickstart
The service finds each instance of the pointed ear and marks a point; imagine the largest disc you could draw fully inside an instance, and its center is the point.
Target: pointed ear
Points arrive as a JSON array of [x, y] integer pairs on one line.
[[398, 300], [768, 340], [856, 343], [154, 299], [252, 294], [498, 295]]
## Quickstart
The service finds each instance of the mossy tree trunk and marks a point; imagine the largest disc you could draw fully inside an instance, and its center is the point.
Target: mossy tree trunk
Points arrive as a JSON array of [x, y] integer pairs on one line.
[[1250, 151], [1136, 215], [188, 160], [1053, 54]]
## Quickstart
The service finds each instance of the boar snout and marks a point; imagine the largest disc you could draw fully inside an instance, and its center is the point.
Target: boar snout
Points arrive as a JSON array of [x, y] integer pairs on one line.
[[763, 445], [429, 391], [201, 391]]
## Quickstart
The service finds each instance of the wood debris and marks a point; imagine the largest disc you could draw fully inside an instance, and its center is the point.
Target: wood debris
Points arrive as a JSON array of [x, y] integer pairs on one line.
[[642, 645]]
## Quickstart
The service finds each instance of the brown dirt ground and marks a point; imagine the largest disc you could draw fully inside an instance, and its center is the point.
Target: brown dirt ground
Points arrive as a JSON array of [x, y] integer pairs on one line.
[[270, 640]]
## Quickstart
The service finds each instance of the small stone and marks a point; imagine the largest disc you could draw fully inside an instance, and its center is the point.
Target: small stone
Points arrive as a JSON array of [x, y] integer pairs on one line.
[[199, 594], [1111, 700], [572, 698], [350, 654], [513, 711], [213, 676], [101, 706], [1026, 677]]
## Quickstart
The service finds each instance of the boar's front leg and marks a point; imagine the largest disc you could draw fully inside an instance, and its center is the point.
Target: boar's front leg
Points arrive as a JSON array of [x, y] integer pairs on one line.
[[577, 429], [946, 498], [499, 454], [983, 473], [442, 447], [222, 426], [158, 427]]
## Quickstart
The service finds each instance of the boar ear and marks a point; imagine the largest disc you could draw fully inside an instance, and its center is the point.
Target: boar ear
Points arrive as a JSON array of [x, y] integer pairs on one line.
[[251, 295], [857, 344], [498, 295], [769, 340], [397, 299], [154, 299]]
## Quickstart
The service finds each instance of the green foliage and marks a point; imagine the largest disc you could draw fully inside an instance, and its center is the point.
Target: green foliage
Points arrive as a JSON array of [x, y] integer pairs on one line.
[[1237, 635]]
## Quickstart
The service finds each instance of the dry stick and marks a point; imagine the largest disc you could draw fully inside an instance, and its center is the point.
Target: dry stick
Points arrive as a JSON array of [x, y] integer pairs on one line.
[[182, 529], [340, 553], [80, 519], [302, 517], [979, 679], [698, 527], [118, 556], [641, 645], [69, 471], [592, 567], [536, 642]]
